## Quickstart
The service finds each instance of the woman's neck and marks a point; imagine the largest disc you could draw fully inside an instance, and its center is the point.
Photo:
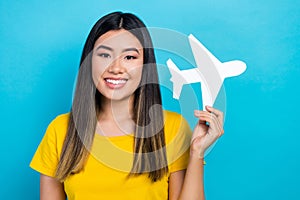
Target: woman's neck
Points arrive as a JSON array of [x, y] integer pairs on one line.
[[115, 117], [116, 109]]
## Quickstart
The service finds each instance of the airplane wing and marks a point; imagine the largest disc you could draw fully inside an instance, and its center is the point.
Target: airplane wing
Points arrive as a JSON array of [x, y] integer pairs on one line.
[[208, 68]]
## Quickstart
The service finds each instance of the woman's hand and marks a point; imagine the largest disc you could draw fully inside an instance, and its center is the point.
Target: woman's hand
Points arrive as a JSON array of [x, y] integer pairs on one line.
[[205, 135]]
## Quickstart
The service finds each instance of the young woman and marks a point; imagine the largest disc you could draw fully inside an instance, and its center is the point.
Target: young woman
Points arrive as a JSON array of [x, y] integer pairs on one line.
[[117, 142]]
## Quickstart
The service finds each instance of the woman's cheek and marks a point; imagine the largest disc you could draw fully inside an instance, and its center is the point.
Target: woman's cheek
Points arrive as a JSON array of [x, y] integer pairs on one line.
[[97, 71]]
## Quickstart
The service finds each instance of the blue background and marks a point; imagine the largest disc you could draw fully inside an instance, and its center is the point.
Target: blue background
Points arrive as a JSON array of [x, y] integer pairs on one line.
[[258, 157]]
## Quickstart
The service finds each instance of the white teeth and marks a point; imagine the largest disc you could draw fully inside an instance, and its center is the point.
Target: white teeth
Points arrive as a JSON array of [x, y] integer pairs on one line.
[[116, 82]]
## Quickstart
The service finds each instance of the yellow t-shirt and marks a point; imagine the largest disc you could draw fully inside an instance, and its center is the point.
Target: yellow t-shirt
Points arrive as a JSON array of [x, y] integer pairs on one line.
[[105, 174]]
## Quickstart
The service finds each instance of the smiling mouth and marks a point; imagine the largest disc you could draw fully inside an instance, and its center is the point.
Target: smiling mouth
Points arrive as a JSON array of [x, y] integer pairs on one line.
[[115, 83]]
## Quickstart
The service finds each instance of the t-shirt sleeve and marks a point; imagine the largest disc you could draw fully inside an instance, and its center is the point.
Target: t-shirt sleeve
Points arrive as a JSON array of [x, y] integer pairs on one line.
[[178, 145], [46, 157]]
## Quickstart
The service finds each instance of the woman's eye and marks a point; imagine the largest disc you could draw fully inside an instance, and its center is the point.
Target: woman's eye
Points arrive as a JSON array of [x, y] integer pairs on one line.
[[104, 55], [130, 57]]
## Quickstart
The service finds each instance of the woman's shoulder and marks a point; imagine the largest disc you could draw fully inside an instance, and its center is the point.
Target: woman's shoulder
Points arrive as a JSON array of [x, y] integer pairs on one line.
[[57, 129], [171, 115], [177, 136], [61, 119], [174, 122], [60, 122]]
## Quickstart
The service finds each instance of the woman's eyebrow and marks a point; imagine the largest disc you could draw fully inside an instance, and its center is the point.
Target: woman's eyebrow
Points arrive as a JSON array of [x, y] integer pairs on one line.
[[104, 47], [131, 49], [111, 49]]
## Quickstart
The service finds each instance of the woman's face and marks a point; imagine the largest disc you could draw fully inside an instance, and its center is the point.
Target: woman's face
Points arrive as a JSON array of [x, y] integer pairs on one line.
[[117, 64]]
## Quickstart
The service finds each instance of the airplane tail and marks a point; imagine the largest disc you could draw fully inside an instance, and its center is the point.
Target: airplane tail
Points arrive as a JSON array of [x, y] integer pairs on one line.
[[176, 78]]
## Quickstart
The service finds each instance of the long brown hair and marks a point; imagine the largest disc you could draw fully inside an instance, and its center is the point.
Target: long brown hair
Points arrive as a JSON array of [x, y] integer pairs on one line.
[[149, 141]]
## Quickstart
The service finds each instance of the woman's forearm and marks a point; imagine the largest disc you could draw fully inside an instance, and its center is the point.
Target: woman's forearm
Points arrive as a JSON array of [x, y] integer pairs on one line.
[[193, 187]]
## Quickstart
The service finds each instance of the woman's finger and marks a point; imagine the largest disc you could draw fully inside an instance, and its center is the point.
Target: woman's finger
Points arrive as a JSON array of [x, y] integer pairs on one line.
[[197, 114], [207, 114], [217, 112], [219, 118], [215, 123]]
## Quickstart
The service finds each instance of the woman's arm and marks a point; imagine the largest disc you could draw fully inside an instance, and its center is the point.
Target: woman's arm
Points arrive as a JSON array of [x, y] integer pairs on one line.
[[51, 189], [203, 136], [187, 180], [193, 187], [175, 184], [182, 183]]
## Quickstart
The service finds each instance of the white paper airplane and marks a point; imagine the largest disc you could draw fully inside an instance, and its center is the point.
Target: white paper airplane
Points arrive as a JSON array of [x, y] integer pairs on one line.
[[210, 72]]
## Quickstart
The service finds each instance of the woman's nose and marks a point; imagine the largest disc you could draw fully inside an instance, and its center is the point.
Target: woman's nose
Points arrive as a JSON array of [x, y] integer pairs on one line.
[[116, 67]]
